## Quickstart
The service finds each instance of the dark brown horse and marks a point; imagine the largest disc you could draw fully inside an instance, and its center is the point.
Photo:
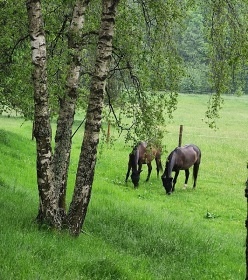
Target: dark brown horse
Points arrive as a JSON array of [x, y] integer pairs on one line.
[[143, 153], [182, 158]]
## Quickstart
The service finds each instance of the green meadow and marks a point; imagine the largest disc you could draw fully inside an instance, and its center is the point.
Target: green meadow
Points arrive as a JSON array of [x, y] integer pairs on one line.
[[134, 233]]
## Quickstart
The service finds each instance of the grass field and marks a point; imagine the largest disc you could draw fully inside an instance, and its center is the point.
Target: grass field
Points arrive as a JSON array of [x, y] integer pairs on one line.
[[134, 233]]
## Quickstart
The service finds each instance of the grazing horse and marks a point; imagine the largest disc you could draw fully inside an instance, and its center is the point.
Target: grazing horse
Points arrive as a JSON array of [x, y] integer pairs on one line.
[[143, 153], [182, 158]]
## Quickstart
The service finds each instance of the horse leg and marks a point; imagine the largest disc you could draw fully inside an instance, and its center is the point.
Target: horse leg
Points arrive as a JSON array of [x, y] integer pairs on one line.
[[175, 180], [195, 173], [186, 178], [149, 166]]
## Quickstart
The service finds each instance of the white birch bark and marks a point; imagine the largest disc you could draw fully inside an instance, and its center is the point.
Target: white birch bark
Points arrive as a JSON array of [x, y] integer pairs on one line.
[[87, 161], [42, 131], [68, 103]]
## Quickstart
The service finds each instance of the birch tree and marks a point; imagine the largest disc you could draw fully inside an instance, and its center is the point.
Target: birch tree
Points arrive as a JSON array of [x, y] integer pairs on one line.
[[48, 206], [52, 169], [65, 121], [87, 161]]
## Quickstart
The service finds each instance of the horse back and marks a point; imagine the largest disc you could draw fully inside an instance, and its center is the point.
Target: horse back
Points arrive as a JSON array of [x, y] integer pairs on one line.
[[186, 156], [147, 153]]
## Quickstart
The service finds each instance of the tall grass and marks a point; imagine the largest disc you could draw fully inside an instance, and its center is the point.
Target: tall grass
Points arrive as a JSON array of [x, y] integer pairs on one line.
[[134, 233]]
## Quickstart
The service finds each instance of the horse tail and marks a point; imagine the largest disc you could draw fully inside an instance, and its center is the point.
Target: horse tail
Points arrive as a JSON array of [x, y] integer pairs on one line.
[[195, 171], [128, 167], [159, 163], [196, 166]]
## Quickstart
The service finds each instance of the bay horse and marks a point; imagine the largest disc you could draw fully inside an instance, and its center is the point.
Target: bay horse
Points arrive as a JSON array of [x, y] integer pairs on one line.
[[181, 158], [143, 153]]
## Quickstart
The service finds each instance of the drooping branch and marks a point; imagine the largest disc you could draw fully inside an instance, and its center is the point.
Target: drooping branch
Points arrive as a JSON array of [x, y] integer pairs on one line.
[[20, 40], [146, 15], [119, 125], [59, 35]]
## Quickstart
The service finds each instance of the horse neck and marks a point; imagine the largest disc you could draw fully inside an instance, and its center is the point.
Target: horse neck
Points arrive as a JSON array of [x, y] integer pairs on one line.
[[137, 155], [134, 159], [170, 164]]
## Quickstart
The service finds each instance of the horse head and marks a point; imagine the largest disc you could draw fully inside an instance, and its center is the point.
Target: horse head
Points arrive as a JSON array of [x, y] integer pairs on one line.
[[167, 183], [135, 176]]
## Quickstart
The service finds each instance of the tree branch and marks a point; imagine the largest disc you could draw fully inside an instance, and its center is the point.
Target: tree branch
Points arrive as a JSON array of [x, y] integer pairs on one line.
[[16, 44]]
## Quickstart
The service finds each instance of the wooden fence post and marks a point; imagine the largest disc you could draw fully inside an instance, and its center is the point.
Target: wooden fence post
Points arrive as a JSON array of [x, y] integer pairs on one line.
[[180, 136]]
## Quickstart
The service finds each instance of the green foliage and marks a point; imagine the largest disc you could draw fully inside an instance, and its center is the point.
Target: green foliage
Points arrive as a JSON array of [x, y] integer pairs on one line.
[[15, 73], [193, 48], [139, 29], [214, 106], [145, 120], [225, 27], [239, 91], [158, 45], [143, 66], [134, 234]]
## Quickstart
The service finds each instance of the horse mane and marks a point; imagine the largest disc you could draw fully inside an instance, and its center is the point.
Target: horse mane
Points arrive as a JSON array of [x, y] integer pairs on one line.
[[132, 160], [170, 155], [169, 163], [134, 155]]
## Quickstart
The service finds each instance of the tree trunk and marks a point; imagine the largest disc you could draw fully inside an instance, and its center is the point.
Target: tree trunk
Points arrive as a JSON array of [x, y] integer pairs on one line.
[[87, 161], [42, 131], [67, 105]]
